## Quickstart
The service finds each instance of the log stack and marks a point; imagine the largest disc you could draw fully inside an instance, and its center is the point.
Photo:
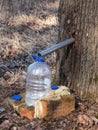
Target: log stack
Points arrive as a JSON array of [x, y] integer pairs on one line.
[[59, 103]]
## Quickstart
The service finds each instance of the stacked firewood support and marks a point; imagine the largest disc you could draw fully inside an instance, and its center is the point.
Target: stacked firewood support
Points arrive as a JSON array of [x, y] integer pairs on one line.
[[58, 104]]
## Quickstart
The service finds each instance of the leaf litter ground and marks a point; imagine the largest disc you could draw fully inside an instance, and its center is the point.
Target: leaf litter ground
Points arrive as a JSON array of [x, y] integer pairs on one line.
[[21, 36]]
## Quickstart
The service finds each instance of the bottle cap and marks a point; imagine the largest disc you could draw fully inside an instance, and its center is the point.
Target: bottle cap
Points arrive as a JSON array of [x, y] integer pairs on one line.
[[54, 87], [37, 58], [16, 97]]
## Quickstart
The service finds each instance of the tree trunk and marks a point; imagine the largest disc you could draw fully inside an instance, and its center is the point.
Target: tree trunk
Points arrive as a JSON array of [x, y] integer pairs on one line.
[[77, 64]]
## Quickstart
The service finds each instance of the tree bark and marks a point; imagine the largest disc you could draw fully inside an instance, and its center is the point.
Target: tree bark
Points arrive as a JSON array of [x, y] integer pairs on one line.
[[77, 64]]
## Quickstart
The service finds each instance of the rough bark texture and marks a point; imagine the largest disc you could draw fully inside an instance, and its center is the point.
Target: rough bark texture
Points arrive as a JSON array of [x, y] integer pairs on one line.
[[77, 64]]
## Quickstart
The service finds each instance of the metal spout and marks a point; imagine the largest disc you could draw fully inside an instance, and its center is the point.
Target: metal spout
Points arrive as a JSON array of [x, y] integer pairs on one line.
[[56, 47]]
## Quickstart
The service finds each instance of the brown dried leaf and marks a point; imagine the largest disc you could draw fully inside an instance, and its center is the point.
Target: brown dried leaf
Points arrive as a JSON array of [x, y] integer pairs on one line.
[[84, 119]]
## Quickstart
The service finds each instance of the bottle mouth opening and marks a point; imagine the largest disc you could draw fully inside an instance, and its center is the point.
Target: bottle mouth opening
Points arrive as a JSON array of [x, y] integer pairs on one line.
[[39, 54]]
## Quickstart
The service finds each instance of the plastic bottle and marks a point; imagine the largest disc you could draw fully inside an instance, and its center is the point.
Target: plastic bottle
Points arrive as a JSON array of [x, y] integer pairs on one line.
[[38, 81]]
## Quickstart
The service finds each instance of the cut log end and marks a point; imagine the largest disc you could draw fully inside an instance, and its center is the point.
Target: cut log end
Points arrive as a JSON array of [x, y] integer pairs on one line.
[[54, 108]]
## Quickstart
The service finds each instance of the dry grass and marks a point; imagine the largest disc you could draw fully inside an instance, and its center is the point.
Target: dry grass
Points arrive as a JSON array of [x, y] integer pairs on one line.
[[29, 33], [25, 34]]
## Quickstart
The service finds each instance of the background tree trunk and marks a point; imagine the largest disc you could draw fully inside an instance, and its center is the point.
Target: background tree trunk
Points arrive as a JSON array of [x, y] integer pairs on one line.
[[77, 64], [14, 7]]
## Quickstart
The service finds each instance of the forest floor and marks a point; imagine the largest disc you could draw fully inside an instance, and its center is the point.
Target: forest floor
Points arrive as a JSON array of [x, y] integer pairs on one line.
[[20, 36]]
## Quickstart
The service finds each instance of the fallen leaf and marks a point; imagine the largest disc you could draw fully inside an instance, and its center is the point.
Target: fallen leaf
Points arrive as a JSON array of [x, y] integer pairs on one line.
[[2, 109], [84, 119], [94, 119]]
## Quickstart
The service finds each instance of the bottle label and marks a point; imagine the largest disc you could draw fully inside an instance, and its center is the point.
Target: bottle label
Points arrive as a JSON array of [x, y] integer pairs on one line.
[[47, 82]]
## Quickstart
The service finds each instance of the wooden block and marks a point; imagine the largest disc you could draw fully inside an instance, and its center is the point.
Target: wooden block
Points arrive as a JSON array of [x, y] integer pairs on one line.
[[27, 112], [56, 105], [21, 107], [16, 104], [59, 103]]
